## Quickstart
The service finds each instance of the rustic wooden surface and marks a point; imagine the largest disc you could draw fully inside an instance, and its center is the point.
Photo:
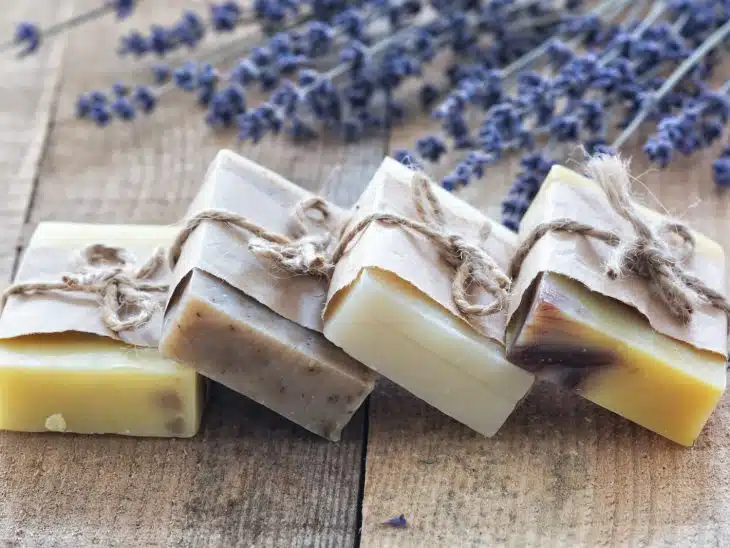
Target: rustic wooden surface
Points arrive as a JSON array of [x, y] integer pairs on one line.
[[562, 472]]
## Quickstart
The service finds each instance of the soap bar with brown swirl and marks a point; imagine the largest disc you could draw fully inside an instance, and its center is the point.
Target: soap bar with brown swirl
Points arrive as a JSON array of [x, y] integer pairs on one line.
[[600, 346]]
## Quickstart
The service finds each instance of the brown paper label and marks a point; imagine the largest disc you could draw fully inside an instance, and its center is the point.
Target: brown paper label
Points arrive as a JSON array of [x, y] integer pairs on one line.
[[52, 252], [412, 257], [566, 194], [252, 191]]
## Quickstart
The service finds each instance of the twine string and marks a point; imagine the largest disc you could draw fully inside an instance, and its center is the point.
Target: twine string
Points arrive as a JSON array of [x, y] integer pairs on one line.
[[104, 272], [307, 253], [657, 254]]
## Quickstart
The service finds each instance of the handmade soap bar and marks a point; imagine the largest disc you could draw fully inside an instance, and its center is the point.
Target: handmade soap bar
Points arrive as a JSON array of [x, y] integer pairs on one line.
[[609, 340], [239, 321], [61, 370], [391, 307]]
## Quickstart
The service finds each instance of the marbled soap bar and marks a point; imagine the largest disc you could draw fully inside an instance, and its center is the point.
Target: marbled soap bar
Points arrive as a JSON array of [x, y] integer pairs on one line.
[[237, 320], [606, 350], [391, 308], [65, 375]]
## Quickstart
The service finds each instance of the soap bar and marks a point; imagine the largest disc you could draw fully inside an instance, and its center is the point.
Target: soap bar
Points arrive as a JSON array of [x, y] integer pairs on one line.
[[609, 339], [238, 321], [391, 307], [607, 352], [64, 375], [239, 342], [75, 382]]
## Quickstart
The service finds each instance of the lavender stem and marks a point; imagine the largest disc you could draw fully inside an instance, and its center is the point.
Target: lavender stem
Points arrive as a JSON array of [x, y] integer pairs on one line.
[[680, 72]]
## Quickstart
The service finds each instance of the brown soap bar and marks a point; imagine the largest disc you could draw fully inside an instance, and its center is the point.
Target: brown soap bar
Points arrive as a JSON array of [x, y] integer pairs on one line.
[[237, 341], [236, 319]]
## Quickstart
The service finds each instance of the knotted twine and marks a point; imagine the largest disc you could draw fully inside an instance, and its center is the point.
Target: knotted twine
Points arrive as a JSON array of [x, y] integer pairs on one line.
[[657, 254], [318, 254], [104, 272], [472, 264], [302, 254]]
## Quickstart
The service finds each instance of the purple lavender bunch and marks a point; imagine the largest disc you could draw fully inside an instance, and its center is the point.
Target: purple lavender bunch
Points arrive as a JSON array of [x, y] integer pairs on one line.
[[518, 81], [618, 74]]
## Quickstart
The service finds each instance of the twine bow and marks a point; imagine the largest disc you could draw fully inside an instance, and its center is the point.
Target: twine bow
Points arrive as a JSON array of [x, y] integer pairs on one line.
[[304, 254], [117, 288], [473, 265], [656, 254]]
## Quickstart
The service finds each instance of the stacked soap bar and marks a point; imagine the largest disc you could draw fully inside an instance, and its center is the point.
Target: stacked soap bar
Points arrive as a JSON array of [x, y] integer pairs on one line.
[[390, 306], [239, 321], [59, 378], [602, 348]]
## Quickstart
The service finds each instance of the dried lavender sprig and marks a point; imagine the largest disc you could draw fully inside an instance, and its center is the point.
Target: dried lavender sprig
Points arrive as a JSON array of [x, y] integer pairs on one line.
[[96, 106], [431, 147], [269, 116], [536, 166], [524, 189], [31, 35], [611, 7], [701, 122], [189, 31], [697, 55]]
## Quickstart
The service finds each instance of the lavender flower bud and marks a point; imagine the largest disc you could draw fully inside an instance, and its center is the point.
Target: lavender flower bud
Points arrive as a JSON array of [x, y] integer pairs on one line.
[[184, 76], [123, 8], [27, 34], [245, 72], [123, 108], [161, 73], [659, 151], [721, 171], [144, 98], [431, 148]]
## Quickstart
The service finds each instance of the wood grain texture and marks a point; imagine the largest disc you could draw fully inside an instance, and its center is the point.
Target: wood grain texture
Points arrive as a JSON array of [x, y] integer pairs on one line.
[[28, 91], [250, 478], [562, 471]]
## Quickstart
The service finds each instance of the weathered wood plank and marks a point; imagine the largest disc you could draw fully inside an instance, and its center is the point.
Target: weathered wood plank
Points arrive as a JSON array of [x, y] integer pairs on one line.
[[28, 91], [251, 477], [562, 471]]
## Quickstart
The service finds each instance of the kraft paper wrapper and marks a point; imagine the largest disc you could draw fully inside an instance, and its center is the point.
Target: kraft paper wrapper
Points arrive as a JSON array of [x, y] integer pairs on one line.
[[414, 258], [53, 251], [244, 187], [565, 194]]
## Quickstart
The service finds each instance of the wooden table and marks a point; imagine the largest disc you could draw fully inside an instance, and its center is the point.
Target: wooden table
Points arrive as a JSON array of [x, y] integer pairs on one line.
[[562, 472]]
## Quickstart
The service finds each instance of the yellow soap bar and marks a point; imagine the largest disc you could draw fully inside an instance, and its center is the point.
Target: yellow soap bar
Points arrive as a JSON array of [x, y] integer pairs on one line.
[[607, 351], [63, 379], [74, 382]]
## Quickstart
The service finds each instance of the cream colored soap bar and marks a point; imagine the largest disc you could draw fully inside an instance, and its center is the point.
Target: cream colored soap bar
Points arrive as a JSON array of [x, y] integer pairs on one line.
[[71, 381], [599, 346], [405, 336], [378, 313]]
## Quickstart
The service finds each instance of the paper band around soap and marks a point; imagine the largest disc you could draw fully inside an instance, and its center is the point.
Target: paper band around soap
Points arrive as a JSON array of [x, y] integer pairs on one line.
[[649, 255], [116, 289], [471, 263], [318, 255]]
